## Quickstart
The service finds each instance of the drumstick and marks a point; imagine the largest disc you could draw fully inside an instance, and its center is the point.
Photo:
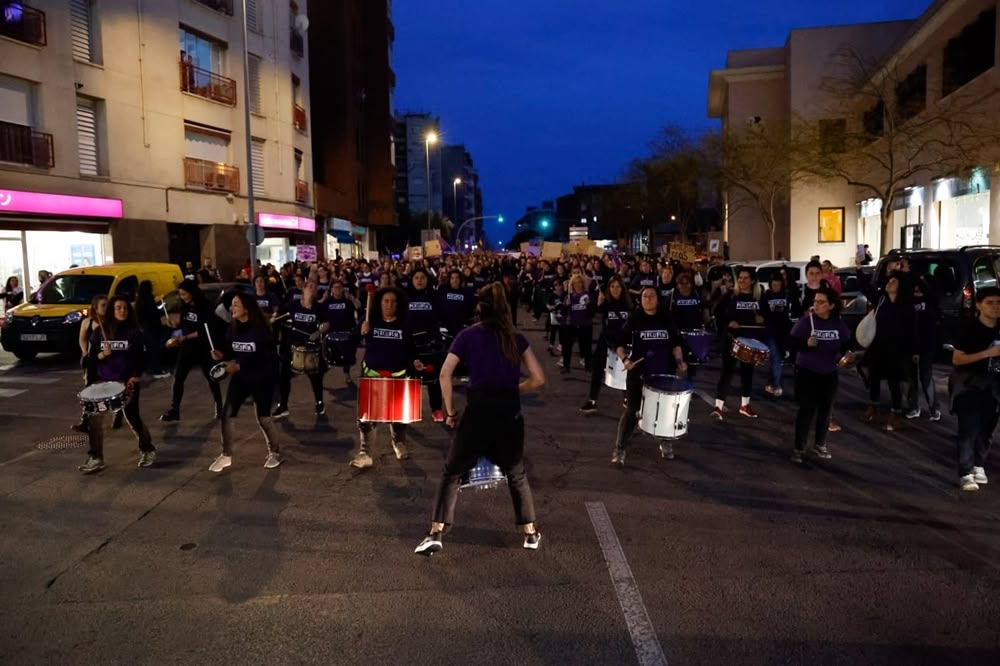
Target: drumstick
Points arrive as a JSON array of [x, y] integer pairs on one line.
[[209, 334], [368, 310]]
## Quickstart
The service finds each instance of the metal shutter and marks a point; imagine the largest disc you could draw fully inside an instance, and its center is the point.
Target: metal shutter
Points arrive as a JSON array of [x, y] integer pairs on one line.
[[86, 130], [257, 164], [80, 28], [254, 75], [252, 15]]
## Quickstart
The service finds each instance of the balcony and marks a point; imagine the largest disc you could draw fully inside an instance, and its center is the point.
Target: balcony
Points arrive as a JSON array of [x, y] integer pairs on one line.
[[209, 85], [297, 44], [216, 176], [301, 191], [299, 117], [22, 145], [223, 6], [23, 23]]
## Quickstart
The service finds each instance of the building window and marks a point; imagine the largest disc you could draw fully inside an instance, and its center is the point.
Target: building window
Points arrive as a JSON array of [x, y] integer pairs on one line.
[[23, 23], [911, 94], [252, 21], [971, 53], [301, 184], [201, 66], [296, 41], [82, 31], [89, 136], [205, 53], [20, 143], [207, 153], [257, 163], [832, 135], [253, 72], [831, 225], [874, 121], [298, 108]]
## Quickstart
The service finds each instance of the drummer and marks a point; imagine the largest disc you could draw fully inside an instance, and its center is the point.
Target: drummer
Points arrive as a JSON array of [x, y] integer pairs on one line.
[[266, 299], [424, 324], [389, 352], [687, 310], [656, 349], [342, 319], [739, 313], [492, 425], [457, 304], [665, 283], [251, 366], [775, 307], [304, 326], [116, 350], [614, 305]]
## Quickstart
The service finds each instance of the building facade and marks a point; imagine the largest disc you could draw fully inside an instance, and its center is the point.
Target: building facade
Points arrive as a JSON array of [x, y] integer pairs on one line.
[[462, 195], [950, 51], [417, 157], [143, 104]]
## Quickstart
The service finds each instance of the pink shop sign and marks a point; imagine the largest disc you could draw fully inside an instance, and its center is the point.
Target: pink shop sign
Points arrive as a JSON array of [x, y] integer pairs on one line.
[[40, 203], [288, 222]]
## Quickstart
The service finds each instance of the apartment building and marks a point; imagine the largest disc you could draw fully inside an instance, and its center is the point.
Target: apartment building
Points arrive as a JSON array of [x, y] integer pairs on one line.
[[462, 197], [122, 132], [417, 155], [947, 53]]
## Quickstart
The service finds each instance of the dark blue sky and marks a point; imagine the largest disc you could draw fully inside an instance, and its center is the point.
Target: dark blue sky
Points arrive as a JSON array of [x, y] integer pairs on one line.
[[547, 94]]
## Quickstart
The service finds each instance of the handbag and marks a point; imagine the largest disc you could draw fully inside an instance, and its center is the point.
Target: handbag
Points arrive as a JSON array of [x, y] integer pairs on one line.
[[865, 332]]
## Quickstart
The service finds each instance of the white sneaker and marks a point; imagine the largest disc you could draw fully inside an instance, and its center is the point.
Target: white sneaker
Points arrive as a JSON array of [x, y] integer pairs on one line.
[[273, 460], [968, 482], [913, 414], [220, 463], [399, 448], [979, 476], [361, 460]]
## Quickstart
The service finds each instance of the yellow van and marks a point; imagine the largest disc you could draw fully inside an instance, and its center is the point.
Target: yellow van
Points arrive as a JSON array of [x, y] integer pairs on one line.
[[50, 320]]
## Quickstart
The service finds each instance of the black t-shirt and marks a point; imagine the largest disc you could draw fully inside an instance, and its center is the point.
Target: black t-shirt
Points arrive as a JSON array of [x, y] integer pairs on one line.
[[974, 337]]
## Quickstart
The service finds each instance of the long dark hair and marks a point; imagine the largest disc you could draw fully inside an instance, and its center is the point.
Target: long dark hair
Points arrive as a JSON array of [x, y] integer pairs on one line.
[[626, 298], [255, 318], [495, 315], [198, 299], [376, 313], [111, 324]]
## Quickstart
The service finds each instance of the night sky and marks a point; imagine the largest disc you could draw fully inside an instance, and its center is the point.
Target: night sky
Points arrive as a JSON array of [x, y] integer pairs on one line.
[[548, 94]]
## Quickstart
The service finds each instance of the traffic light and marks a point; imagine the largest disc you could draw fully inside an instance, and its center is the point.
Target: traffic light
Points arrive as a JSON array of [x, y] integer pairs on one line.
[[545, 223]]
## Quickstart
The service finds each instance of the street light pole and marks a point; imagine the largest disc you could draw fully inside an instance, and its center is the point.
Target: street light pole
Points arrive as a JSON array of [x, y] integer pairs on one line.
[[458, 236], [431, 138], [249, 142], [454, 198]]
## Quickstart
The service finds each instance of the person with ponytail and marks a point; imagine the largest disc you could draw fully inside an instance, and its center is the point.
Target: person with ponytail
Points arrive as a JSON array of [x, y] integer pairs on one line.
[[491, 425]]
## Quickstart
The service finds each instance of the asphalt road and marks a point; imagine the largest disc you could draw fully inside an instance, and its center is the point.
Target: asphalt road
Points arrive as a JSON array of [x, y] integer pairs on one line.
[[729, 554]]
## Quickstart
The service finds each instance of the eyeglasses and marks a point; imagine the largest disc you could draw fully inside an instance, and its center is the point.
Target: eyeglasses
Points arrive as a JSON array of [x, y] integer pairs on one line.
[[819, 302]]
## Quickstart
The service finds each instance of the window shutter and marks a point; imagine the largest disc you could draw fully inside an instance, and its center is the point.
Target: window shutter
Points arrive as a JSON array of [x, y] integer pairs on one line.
[[257, 164], [254, 75], [86, 130], [252, 16], [80, 29]]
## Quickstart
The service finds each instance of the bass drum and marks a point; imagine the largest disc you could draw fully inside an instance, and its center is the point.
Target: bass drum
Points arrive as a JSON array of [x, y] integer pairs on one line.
[[666, 400], [389, 400]]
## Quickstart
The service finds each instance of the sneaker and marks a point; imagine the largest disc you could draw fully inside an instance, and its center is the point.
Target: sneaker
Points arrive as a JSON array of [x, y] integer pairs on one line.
[[936, 415], [218, 412], [532, 540], [399, 448], [618, 457], [79, 427], [891, 422], [280, 412], [220, 463], [833, 427], [583, 364], [92, 465], [769, 389], [778, 392], [146, 458], [968, 482], [797, 456], [558, 349], [667, 450], [979, 474], [320, 408], [172, 414], [559, 364], [361, 460], [273, 460], [822, 453], [437, 416], [870, 414], [430, 545], [589, 407], [913, 414], [161, 375], [747, 411], [717, 413]]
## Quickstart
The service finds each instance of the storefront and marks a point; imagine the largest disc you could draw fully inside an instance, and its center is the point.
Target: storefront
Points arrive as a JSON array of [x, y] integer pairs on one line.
[[53, 232], [284, 235], [870, 224], [964, 210], [344, 239]]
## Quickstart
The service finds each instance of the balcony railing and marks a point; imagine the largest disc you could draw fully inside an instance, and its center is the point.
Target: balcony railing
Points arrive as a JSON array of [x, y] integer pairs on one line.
[[301, 191], [224, 6], [23, 23], [299, 117], [22, 145], [209, 85], [297, 44], [208, 175]]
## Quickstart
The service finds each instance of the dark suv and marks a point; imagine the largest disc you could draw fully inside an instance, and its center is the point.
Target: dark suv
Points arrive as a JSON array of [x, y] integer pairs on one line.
[[955, 275]]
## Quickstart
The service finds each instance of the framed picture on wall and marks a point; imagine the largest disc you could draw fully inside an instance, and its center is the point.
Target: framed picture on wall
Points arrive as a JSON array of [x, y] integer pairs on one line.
[[831, 225]]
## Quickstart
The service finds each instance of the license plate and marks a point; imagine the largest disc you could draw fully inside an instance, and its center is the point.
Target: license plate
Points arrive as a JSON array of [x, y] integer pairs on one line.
[[33, 337]]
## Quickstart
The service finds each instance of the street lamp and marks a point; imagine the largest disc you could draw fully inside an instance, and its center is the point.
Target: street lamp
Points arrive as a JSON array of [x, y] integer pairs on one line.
[[431, 138], [458, 234], [454, 197]]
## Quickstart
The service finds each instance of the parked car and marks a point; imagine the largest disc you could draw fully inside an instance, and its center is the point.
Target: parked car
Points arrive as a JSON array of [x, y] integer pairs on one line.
[[855, 285]]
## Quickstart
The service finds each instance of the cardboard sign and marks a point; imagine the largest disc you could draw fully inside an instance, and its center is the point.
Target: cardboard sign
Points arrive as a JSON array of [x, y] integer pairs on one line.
[[305, 253], [534, 251], [715, 245], [683, 252], [551, 250], [416, 253], [595, 250], [432, 248], [525, 247]]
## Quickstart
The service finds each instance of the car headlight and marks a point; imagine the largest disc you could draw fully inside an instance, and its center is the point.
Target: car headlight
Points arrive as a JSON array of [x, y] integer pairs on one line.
[[73, 318]]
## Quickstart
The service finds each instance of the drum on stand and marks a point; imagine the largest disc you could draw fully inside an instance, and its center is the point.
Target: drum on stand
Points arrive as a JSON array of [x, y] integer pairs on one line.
[[389, 400], [748, 350], [614, 372], [666, 400], [698, 343], [103, 397], [305, 358], [484, 476], [338, 347]]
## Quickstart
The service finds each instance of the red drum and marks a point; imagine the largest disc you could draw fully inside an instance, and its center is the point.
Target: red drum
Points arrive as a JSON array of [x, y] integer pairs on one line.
[[389, 400]]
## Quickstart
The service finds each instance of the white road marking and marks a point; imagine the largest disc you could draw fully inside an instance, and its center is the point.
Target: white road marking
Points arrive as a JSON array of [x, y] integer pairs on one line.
[[647, 645], [20, 457], [703, 394], [11, 393], [38, 381]]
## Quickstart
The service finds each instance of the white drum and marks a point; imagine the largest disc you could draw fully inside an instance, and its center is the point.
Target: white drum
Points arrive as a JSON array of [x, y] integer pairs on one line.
[[614, 372], [665, 403]]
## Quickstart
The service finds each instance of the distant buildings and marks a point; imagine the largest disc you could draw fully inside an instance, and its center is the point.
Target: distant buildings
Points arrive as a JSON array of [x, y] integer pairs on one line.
[[463, 200]]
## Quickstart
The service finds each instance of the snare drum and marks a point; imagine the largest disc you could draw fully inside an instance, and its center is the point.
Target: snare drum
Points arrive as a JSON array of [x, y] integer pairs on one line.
[[748, 350], [218, 371], [389, 400], [698, 344], [484, 476], [614, 372], [305, 359], [103, 397], [665, 403], [339, 347]]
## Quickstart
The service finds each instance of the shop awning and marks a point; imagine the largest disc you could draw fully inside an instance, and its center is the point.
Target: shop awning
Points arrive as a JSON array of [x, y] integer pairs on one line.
[[342, 237]]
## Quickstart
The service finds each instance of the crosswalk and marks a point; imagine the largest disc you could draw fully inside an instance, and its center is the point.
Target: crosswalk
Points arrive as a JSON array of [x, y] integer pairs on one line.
[[13, 386]]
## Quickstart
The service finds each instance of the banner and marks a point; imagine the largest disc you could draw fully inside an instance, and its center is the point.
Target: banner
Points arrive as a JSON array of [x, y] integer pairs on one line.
[[683, 252], [551, 250], [305, 253], [432, 248], [595, 250]]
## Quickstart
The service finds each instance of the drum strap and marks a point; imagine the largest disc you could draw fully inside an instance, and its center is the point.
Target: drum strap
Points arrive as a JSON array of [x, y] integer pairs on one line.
[[368, 372]]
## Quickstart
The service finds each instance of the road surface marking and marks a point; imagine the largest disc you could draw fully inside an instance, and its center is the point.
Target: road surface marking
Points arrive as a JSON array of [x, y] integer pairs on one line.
[[40, 381], [703, 394], [647, 645], [20, 457], [11, 393]]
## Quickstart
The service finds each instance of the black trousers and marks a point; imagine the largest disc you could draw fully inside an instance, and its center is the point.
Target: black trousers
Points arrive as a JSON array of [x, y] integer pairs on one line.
[[633, 402], [891, 371], [239, 390], [814, 392], [729, 363], [599, 362], [922, 381], [584, 336], [95, 427], [977, 413], [492, 427], [187, 358], [285, 379]]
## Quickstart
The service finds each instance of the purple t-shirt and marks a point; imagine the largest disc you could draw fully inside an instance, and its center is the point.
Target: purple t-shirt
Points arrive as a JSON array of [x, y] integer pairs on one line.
[[832, 338], [479, 349]]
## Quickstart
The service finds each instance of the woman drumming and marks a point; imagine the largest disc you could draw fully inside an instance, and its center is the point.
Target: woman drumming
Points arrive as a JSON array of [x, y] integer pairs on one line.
[[578, 326], [614, 306], [193, 348], [251, 366], [655, 350], [492, 425], [689, 314], [821, 338], [342, 335], [305, 324], [116, 351], [424, 323], [96, 314], [738, 309]]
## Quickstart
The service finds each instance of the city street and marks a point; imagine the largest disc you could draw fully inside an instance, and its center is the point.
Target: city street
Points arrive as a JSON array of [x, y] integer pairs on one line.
[[729, 554]]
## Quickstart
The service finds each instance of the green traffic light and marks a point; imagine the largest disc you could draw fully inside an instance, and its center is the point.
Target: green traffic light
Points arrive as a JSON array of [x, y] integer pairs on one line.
[[545, 224]]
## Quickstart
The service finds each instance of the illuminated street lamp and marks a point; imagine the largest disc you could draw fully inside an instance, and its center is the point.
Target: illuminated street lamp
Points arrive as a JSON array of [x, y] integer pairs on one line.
[[431, 138], [454, 197]]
